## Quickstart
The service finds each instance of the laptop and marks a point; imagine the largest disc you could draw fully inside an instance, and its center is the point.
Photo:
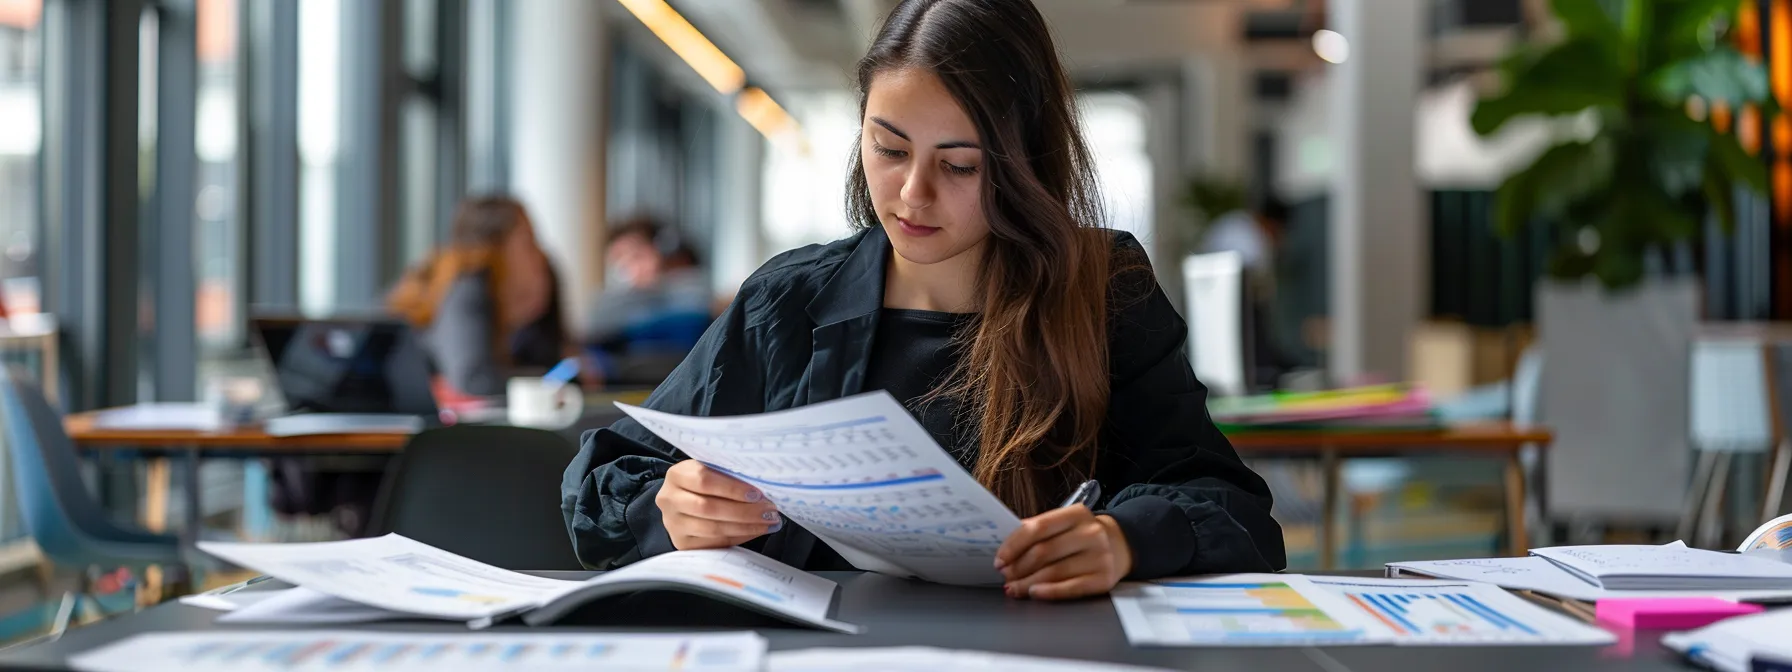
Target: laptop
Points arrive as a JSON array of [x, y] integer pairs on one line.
[[346, 375]]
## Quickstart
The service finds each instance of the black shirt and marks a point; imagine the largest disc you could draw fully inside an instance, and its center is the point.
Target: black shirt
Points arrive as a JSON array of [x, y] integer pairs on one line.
[[805, 329], [913, 354]]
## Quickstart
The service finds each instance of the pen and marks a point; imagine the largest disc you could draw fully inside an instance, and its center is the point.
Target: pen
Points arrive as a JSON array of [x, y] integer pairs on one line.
[[563, 372], [1086, 494]]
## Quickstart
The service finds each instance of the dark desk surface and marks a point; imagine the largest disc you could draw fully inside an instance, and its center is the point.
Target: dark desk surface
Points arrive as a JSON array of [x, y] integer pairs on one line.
[[896, 612]]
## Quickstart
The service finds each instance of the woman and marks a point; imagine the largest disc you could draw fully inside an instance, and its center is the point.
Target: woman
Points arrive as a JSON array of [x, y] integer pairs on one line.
[[981, 292], [488, 303]]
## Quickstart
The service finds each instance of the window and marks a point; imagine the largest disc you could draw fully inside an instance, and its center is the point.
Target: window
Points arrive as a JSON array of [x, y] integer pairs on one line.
[[1114, 124], [320, 114], [21, 117], [216, 223], [805, 186]]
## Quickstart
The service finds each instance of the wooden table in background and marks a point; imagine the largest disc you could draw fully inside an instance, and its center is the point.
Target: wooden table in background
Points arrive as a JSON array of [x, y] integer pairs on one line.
[[1331, 447], [190, 446]]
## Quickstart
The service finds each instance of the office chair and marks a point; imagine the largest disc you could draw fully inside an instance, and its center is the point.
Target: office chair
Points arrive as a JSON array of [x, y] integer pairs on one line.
[[68, 525], [487, 492], [1732, 411]]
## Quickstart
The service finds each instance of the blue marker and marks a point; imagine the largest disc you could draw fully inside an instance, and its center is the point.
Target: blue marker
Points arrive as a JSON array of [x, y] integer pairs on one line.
[[563, 372]]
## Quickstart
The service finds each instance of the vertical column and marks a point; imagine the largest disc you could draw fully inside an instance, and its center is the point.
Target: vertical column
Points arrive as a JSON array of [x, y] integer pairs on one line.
[[559, 59], [271, 156], [1378, 232], [177, 72]]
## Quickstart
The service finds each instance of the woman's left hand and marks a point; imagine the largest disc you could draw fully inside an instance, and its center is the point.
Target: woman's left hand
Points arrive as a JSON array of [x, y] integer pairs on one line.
[[1064, 554]]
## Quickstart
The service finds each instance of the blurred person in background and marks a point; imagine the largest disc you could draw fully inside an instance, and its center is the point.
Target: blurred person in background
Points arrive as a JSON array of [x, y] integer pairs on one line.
[[1256, 235], [487, 304], [655, 304], [983, 291]]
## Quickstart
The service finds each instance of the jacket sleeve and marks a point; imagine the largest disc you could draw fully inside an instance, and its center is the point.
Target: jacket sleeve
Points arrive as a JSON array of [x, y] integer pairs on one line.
[[1185, 501], [607, 493]]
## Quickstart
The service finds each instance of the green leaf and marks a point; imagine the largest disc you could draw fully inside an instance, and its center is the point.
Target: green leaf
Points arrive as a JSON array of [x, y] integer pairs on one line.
[[1560, 177], [1638, 21], [1589, 19], [1720, 74], [1684, 25], [1733, 162], [1564, 79], [1676, 147]]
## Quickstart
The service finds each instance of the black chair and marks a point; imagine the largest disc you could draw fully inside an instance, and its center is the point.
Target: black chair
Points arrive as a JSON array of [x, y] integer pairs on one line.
[[490, 493]]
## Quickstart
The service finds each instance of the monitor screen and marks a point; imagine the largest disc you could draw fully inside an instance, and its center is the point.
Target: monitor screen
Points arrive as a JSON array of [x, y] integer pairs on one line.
[[348, 366]]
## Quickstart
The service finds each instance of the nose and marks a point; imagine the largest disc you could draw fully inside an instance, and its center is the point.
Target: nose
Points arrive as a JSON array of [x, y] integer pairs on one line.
[[917, 190]]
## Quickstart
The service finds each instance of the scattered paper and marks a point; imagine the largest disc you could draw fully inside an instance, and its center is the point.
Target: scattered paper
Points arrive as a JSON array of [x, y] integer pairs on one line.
[[230, 601], [927, 659], [1635, 567], [1236, 610], [397, 574], [171, 416], [1729, 645], [401, 652], [1294, 610], [864, 477], [1540, 575], [1419, 612], [394, 577], [300, 605]]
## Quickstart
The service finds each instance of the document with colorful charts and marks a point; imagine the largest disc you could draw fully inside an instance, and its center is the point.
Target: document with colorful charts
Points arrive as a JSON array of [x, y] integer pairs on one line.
[[346, 651], [863, 476], [1290, 609], [415, 580]]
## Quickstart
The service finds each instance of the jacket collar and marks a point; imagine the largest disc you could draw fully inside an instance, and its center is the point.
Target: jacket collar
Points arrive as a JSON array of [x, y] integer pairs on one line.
[[846, 312], [857, 287]]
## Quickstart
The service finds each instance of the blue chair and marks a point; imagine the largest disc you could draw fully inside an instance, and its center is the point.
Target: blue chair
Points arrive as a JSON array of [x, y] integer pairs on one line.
[[68, 525]]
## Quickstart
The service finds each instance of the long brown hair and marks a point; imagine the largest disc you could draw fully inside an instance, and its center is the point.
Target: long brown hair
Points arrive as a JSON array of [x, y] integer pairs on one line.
[[1034, 375], [475, 244]]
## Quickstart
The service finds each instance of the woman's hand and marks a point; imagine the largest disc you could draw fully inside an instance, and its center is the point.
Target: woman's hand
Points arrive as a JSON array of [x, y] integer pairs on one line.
[[1064, 554], [705, 508]]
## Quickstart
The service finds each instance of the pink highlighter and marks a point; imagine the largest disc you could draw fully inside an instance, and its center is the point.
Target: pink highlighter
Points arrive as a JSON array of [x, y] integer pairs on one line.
[[1669, 613]]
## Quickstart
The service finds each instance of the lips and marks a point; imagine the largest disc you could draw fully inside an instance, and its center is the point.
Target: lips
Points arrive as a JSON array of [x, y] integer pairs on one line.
[[916, 230]]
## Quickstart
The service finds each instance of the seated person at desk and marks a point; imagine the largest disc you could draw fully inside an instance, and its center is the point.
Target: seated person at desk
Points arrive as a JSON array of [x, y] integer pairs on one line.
[[983, 293], [488, 304], [655, 304]]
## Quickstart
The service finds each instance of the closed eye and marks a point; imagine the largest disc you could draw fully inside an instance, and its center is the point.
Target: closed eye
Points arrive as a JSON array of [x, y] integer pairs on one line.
[[886, 151], [960, 170]]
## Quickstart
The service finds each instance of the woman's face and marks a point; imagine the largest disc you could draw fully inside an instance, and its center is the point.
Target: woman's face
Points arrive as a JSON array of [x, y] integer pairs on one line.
[[922, 159]]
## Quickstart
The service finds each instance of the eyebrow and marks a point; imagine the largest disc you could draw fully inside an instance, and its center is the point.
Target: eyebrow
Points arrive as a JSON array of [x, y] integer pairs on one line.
[[955, 144]]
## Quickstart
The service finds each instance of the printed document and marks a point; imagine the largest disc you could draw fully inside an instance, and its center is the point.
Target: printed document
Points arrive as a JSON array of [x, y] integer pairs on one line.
[[863, 476], [1295, 610], [346, 651], [413, 579], [1543, 576], [927, 659]]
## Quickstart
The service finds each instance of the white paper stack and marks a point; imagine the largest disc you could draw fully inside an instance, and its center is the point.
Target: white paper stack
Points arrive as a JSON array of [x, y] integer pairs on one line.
[[1630, 567], [1730, 645]]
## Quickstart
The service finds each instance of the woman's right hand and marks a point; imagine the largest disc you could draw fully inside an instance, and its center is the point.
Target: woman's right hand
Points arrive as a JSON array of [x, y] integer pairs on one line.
[[705, 508]]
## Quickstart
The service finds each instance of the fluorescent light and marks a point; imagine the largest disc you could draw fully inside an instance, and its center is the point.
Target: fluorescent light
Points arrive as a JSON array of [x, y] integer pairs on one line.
[[685, 40], [1331, 46], [765, 114]]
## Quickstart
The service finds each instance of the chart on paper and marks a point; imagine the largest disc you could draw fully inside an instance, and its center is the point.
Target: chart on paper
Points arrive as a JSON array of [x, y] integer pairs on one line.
[[403, 652], [1230, 612], [1417, 612], [859, 472]]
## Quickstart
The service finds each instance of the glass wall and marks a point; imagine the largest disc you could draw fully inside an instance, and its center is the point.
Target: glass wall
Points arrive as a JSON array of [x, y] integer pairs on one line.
[[21, 118], [218, 226], [320, 115]]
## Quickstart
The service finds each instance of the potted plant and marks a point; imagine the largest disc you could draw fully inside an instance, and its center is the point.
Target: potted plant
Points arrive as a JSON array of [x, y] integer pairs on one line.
[[1632, 176]]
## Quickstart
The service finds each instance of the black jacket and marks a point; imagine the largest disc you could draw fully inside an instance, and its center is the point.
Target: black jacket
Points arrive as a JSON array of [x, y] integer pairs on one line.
[[800, 332]]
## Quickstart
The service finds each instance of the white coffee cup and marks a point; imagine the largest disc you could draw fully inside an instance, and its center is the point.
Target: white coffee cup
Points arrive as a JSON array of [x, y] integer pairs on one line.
[[533, 402]]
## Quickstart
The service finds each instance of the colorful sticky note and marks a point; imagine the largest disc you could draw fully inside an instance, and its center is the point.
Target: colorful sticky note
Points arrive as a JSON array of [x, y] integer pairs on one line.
[[1669, 613]]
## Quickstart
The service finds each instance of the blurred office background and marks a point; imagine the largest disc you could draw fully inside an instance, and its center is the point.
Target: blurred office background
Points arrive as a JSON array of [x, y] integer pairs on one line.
[[169, 168]]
